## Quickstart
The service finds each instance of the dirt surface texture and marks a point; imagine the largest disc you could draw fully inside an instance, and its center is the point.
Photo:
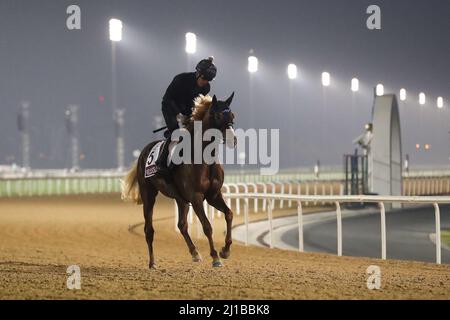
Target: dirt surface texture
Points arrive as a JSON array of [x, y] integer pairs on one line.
[[41, 237]]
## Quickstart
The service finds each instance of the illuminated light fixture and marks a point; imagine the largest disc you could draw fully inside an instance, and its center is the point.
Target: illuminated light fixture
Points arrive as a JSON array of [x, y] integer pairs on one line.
[[417, 146], [355, 85], [191, 42], [115, 30], [422, 98], [252, 64], [427, 146], [440, 102], [292, 71], [379, 89], [402, 94], [325, 79]]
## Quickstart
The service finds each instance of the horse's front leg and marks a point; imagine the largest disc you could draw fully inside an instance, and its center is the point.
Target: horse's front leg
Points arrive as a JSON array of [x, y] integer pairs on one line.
[[219, 203], [183, 209], [197, 204]]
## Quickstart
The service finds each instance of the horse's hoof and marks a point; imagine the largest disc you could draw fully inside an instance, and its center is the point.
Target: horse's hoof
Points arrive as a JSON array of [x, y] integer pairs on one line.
[[197, 258], [217, 264], [152, 266], [224, 254]]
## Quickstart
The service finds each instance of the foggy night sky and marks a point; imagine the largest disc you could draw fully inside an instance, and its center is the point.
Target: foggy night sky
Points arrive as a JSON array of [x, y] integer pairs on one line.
[[42, 62]]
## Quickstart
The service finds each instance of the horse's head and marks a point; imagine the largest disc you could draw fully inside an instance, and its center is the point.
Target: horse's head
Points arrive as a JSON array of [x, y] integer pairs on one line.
[[222, 118]]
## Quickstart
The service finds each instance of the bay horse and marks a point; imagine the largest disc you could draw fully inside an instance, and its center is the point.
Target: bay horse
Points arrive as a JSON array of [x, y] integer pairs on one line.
[[191, 183]]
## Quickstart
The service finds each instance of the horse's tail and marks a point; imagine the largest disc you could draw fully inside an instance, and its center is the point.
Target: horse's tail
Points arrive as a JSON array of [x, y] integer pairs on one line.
[[130, 186]]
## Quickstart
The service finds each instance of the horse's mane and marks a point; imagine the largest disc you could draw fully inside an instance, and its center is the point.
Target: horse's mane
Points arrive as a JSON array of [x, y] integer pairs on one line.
[[201, 107]]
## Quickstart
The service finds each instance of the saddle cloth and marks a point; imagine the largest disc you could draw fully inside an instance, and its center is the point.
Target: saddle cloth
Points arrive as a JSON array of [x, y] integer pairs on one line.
[[150, 165]]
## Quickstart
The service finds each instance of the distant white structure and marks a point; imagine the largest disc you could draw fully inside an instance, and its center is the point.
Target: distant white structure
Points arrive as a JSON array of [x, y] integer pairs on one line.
[[385, 153]]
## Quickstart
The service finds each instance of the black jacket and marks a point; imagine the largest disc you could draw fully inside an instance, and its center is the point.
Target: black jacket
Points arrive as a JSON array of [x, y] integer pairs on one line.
[[180, 94]]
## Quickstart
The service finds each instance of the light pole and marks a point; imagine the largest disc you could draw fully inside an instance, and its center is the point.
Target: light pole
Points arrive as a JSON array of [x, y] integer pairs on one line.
[[354, 86], [252, 67], [292, 73], [22, 124], [72, 130], [120, 144], [422, 100], [115, 35], [402, 94], [326, 81]]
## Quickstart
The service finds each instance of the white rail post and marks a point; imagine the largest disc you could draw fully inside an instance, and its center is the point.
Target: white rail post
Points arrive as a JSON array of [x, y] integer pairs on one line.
[[339, 228], [205, 208], [383, 230], [175, 211], [331, 189], [8, 188], [323, 193], [238, 202], [273, 192], [198, 227], [307, 192], [246, 220], [191, 215], [227, 188], [244, 186], [264, 201], [437, 215], [290, 193], [315, 192], [271, 222], [413, 187], [255, 200], [280, 203], [238, 205], [300, 226], [211, 211], [448, 185]]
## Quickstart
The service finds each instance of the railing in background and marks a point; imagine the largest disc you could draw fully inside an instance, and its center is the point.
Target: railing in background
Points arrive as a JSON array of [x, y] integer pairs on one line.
[[60, 182], [338, 200]]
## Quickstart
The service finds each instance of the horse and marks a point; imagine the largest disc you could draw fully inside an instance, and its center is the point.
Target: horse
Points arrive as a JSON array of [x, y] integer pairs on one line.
[[190, 183]]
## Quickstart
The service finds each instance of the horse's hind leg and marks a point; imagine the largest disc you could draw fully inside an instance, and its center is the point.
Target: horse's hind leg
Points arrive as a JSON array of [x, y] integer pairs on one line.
[[183, 209], [197, 204], [219, 203], [148, 195]]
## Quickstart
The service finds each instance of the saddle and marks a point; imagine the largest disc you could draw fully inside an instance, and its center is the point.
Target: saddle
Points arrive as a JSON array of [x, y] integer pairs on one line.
[[156, 154]]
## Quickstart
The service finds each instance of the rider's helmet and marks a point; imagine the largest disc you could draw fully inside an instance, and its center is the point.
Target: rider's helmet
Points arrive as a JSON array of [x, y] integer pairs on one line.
[[207, 69]]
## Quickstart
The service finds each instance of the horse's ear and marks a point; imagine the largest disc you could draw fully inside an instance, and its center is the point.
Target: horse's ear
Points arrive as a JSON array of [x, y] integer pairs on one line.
[[214, 100], [230, 99]]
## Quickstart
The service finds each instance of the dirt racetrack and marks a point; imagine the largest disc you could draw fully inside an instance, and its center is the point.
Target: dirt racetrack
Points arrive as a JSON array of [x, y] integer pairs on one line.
[[41, 237]]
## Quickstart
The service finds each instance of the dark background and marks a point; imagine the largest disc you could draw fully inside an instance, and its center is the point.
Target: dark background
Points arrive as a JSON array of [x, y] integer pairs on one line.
[[41, 61]]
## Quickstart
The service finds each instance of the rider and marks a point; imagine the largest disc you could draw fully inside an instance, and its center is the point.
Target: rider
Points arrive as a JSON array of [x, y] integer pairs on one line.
[[179, 98]]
